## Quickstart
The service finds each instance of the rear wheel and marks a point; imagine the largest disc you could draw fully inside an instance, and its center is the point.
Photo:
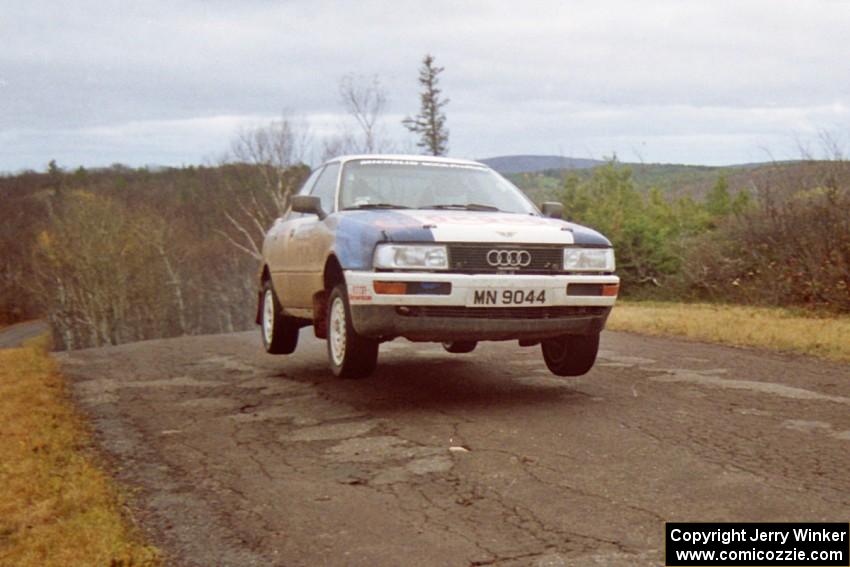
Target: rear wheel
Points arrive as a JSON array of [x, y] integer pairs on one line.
[[460, 347], [280, 333], [570, 355], [350, 355]]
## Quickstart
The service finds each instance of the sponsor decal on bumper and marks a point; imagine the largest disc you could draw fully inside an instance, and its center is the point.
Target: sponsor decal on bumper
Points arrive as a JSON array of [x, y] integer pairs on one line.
[[359, 293]]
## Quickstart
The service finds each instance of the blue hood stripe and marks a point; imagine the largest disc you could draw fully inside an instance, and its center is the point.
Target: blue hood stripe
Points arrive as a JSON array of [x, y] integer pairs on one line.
[[359, 231]]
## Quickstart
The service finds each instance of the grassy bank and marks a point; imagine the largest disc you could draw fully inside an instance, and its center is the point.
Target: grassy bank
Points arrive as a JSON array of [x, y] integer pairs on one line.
[[770, 328], [56, 506]]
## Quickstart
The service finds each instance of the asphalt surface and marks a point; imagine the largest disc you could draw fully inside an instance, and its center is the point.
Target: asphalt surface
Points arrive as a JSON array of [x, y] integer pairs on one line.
[[14, 335], [242, 458]]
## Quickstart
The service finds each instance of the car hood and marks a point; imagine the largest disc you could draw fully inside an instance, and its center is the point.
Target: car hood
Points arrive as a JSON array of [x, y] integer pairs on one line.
[[358, 232], [474, 226]]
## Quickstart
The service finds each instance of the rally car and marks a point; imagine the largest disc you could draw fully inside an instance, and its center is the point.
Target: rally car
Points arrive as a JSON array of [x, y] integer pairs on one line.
[[377, 247]]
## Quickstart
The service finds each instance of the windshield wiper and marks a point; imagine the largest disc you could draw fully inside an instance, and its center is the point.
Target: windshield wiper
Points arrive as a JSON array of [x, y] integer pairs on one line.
[[463, 207], [375, 206]]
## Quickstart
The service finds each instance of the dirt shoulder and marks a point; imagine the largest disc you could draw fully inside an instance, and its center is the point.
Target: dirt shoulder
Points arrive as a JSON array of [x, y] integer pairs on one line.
[[57, 505], [818, 334]]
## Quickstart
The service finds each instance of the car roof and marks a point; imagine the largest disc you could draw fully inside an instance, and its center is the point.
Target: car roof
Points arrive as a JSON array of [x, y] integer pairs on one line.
[[406, 157]]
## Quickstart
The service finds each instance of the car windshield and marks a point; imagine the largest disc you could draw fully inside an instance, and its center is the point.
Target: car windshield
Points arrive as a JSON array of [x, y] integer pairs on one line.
[[413, 184]]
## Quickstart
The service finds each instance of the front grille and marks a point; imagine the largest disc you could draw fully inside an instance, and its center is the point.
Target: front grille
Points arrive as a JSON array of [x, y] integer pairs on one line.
[[473, 258], [555, 312]]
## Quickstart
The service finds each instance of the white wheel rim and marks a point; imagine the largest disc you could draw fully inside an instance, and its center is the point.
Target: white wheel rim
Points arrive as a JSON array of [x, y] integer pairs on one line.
[[268, 316], [336, 329]]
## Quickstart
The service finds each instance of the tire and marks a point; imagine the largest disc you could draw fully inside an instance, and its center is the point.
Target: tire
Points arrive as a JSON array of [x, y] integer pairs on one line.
[[570, 355], [279, 332], [349, 355], [460, 347]]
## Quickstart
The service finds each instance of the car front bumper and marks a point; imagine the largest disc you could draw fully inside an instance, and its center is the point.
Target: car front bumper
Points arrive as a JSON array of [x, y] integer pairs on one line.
[[448, 316]]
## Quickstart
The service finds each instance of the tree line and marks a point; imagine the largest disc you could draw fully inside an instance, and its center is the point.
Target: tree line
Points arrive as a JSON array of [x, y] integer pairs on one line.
[[783, 242], [124, 254]]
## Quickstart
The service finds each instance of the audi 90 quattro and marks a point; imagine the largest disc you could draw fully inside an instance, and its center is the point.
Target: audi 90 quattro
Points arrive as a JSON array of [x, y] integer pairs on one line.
[[377, 247]]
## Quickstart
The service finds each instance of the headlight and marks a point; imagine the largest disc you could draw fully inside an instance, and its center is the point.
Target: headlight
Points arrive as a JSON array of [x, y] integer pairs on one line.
[[589, 259], [405, 257]]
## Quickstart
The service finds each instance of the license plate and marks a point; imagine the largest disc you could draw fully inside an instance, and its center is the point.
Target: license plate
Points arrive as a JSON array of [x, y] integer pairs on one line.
[[489, 297]]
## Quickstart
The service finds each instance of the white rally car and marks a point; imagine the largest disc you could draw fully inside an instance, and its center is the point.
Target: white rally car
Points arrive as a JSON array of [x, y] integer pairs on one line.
[[378, 247]]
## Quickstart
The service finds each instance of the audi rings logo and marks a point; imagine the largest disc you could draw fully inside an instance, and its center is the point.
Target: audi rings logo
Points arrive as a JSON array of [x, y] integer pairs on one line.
[[509, 258]]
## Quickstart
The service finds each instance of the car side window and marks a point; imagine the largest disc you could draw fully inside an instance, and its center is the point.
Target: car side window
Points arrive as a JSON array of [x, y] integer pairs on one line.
[[305, 190], [325, 188]]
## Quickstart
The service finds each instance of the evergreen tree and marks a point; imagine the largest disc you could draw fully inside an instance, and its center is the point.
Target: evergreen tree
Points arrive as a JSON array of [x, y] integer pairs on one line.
[[430, 123], [742, 202], [718, 202]]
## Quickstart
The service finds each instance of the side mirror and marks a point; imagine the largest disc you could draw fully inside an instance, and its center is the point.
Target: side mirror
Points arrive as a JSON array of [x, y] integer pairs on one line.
[[309, 204], [552, 209]]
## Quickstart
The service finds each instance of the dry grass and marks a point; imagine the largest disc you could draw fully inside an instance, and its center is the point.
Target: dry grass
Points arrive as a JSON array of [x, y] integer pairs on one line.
[[56, 506], [770, 328]]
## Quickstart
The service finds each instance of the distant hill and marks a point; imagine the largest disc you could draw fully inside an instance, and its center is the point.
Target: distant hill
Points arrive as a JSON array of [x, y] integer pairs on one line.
[[530, 164], [688, 180]]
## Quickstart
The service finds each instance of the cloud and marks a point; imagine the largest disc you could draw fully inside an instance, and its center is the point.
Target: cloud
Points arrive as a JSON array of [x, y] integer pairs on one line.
[[138, 143], [673, 77]]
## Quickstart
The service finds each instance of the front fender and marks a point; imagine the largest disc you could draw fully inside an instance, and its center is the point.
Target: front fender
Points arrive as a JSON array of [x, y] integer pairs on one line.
[[357, 234], [355, 243]]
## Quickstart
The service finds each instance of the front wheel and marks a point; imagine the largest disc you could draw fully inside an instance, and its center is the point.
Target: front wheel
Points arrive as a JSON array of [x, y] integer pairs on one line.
[[570, 355], [350, 355], [280, 333]]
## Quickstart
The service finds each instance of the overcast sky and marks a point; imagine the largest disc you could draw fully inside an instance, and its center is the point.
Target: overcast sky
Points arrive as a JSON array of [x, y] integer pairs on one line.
[[155, 82]]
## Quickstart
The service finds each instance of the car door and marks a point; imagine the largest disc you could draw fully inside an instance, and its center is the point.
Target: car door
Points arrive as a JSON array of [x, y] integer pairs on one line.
[[278, 254], [308, 241]]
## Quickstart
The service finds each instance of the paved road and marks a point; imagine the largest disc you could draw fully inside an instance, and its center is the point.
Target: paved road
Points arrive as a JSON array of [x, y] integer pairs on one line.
[[13, 335], [248, 459]]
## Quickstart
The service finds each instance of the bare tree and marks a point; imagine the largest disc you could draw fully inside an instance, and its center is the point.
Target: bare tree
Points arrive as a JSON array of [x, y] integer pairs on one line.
[[339, 144], [274, 155], [161, 238], [272, 150], [97, 275], [365, 99]]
